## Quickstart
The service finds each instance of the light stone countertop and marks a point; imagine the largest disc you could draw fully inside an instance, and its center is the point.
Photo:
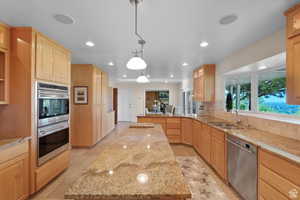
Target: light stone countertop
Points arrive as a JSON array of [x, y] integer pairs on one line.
[[6, 143], [138, 165], [284, 146]]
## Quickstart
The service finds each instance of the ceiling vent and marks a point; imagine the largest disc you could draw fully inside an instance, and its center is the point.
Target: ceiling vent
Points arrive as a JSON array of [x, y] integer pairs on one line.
[[229, 19], [64, 19]]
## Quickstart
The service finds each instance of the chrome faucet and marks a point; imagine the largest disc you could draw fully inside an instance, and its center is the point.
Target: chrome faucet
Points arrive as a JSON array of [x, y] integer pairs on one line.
[[238, 120]]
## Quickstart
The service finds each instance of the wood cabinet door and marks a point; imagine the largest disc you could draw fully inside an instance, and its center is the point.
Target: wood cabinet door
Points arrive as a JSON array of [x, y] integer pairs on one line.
[[4, 37], [293, 23], [44, 58], [205, 143], [187, 131], [196, 133], [61, 66], [218, 160], [293, 70], [14, 183]]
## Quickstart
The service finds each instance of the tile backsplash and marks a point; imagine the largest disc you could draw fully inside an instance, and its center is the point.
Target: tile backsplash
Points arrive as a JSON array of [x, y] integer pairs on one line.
[[270, 124]]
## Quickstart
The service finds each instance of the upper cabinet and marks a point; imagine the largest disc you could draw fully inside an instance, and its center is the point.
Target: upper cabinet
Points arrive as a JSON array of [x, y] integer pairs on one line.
[[4, 64], [293, 55], [4, 36], [204, 83], [52, 61]]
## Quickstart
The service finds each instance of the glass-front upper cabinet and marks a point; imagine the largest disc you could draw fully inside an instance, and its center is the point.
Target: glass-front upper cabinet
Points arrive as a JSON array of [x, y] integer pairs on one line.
[[293, 22]]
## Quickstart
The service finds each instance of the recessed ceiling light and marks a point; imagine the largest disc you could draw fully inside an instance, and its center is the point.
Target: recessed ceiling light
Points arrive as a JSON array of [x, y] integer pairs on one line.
[[229, 19], [172, 76], [65, 19], [203, 44], [90, 44], [148, 76], [185, 64], [111, 64], [124, 76], [262, 67]]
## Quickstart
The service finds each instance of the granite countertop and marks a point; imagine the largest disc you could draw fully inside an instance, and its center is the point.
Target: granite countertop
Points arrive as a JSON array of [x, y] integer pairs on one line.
[[139, 164], [6, 143], [286, 147]]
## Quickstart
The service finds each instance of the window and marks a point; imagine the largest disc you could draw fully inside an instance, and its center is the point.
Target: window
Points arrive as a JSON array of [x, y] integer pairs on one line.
[[272, 93], [238, 93], [267, 88]]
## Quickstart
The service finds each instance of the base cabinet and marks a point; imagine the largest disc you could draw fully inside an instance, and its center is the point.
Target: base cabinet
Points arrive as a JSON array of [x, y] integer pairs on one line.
[[205, 143], [279, 178], [218, 152], [14, 172], [187, 131]]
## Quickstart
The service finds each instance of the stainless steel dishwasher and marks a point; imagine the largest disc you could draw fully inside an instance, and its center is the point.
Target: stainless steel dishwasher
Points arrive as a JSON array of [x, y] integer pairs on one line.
[[242, 167]]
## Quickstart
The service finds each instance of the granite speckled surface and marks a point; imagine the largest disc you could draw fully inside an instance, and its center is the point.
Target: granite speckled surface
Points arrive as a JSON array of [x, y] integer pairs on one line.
[[286, 147], [6, 143], [139, 164]]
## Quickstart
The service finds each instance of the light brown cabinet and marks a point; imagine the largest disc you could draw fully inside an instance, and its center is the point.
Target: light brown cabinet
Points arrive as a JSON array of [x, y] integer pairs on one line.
[[4, 36], [187, 131], [52, 61], [218, 152], [197, 129], [87, 118], [4, 64], [293, 55], [204, 83], [279, 178], [205, 143], [14, 172]]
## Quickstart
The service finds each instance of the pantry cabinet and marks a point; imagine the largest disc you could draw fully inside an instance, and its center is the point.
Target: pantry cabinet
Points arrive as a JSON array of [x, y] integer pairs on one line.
[[293, 55], [52, 61], [204, 83]]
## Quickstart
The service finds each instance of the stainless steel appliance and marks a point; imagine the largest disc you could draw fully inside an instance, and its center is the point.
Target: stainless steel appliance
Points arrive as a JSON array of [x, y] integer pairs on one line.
[[242, 167], [53, 121], [52, 140], [53, 104]]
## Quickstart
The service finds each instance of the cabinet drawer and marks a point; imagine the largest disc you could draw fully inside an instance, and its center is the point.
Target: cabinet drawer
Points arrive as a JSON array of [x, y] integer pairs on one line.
[[173, 132], [269, 193], [283, 167], [174, 138], [219, 135], [158, 120], [281, 184], [51, 169]]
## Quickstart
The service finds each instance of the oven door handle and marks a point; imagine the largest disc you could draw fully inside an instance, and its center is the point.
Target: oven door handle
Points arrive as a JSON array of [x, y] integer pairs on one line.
[[49, 96], [43, 133]]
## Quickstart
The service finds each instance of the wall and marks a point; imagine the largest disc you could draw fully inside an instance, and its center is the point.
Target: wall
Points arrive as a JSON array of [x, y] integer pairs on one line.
[[267, 47], [136, 95]]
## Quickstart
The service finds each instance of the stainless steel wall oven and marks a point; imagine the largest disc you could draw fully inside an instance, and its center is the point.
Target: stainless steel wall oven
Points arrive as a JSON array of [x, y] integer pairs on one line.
[[53, 121]]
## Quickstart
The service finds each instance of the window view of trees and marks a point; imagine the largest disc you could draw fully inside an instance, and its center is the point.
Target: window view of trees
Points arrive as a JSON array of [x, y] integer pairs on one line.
[[272, 97], [270, 87]]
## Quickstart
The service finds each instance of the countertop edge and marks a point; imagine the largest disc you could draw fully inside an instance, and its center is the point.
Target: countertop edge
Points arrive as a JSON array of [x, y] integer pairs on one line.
[[14, 142]]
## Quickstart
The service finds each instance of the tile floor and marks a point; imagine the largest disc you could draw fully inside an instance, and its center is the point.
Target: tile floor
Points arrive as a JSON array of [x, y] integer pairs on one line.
[[186, 156]]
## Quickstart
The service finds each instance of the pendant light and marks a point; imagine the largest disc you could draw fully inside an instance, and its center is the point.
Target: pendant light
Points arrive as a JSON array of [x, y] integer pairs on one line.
[[137, 62], [142, 79]]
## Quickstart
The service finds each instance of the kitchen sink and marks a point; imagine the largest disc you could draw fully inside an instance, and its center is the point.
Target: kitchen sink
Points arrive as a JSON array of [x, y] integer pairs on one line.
[[225, 125]]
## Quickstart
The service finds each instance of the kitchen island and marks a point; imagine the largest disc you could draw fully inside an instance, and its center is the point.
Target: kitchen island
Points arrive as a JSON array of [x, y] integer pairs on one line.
[[138, 165]]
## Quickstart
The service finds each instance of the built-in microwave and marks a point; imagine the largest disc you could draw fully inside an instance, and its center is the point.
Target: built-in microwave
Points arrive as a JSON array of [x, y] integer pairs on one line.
[[53, 104]]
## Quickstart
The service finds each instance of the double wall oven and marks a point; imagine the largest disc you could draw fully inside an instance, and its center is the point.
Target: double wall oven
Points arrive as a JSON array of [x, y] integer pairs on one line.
[[53, 120]]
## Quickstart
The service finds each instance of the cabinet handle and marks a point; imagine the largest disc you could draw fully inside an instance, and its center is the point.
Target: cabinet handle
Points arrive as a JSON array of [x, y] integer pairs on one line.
[[293, 194]]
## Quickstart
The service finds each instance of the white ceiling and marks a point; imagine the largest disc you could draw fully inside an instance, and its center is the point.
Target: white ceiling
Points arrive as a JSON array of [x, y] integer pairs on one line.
[[173, 30]]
